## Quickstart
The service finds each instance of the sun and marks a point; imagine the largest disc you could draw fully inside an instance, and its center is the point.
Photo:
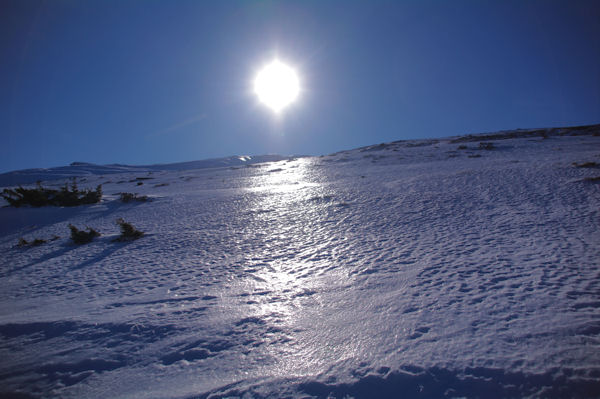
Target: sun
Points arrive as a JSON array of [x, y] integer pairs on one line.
[[277, 85]]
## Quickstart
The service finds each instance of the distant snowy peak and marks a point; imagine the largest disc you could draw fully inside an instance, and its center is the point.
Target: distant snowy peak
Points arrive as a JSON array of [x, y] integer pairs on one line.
[[78, 169]]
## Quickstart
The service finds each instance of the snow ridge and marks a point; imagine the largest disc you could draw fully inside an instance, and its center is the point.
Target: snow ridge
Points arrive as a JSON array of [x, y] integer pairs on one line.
[[79, 169]]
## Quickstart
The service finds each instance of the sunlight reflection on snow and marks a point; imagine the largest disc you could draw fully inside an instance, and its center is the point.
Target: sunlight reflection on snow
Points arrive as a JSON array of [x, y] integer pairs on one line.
[[283, 190], [285, 177], [296, 210]]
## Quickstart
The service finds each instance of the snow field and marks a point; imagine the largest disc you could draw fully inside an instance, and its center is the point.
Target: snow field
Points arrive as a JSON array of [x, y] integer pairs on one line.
[[411, 267]]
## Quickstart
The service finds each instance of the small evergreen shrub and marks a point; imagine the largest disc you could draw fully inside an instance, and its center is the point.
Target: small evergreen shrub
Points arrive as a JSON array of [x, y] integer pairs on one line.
[[128, 232], [128, 197], [81, 236], [38, 241], [42, 196]]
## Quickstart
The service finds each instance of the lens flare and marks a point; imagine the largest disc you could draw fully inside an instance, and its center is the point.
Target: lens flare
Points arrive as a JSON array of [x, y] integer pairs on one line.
[[276, 85]]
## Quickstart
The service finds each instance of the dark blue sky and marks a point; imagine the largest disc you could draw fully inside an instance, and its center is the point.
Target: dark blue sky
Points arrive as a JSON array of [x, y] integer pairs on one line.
[[143, 82]]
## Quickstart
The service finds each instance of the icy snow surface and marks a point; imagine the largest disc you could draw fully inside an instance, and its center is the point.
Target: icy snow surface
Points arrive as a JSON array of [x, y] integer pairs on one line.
[[409, 269]]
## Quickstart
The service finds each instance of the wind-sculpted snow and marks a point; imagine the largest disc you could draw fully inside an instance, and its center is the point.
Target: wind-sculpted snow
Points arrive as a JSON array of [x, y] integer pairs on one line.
[[408, 269]]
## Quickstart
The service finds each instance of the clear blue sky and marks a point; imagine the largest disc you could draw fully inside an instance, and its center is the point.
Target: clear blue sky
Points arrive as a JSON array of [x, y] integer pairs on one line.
[[142, 82]]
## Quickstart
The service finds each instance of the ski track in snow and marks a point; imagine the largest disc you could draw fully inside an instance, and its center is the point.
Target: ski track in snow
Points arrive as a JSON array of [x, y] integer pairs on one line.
[[413, 268]]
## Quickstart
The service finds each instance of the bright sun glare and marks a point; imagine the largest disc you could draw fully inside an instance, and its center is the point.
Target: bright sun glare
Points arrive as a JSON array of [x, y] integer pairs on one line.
[[276, 85]]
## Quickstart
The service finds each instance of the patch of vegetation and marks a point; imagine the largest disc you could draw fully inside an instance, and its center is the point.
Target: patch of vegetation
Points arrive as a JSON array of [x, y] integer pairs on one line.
[[591, 130], [486, 146], [42, 196], [161, 184], [503, 135], [38, 241], [129, 197], [419, 143], [81, 236], [463, 147], [128, 232], [586, 165], [138, 180], [595, 179]]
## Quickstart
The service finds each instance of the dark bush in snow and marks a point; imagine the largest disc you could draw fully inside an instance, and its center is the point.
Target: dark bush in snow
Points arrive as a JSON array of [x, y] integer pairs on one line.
[[82, 237], [37, 241], [586, 165], [41, 196], [128, 232], [595, 179], [24, 243], [128, 197]]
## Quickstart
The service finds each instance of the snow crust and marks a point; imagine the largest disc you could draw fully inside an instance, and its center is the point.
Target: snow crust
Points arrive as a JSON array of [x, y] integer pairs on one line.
[[409, 269]]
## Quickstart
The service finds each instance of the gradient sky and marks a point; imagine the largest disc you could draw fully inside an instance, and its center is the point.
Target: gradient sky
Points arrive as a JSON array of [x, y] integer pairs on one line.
[[142, 82]]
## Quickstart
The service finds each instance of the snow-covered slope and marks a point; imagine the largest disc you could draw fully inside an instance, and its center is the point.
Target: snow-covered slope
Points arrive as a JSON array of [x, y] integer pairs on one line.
[[420, 269]]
